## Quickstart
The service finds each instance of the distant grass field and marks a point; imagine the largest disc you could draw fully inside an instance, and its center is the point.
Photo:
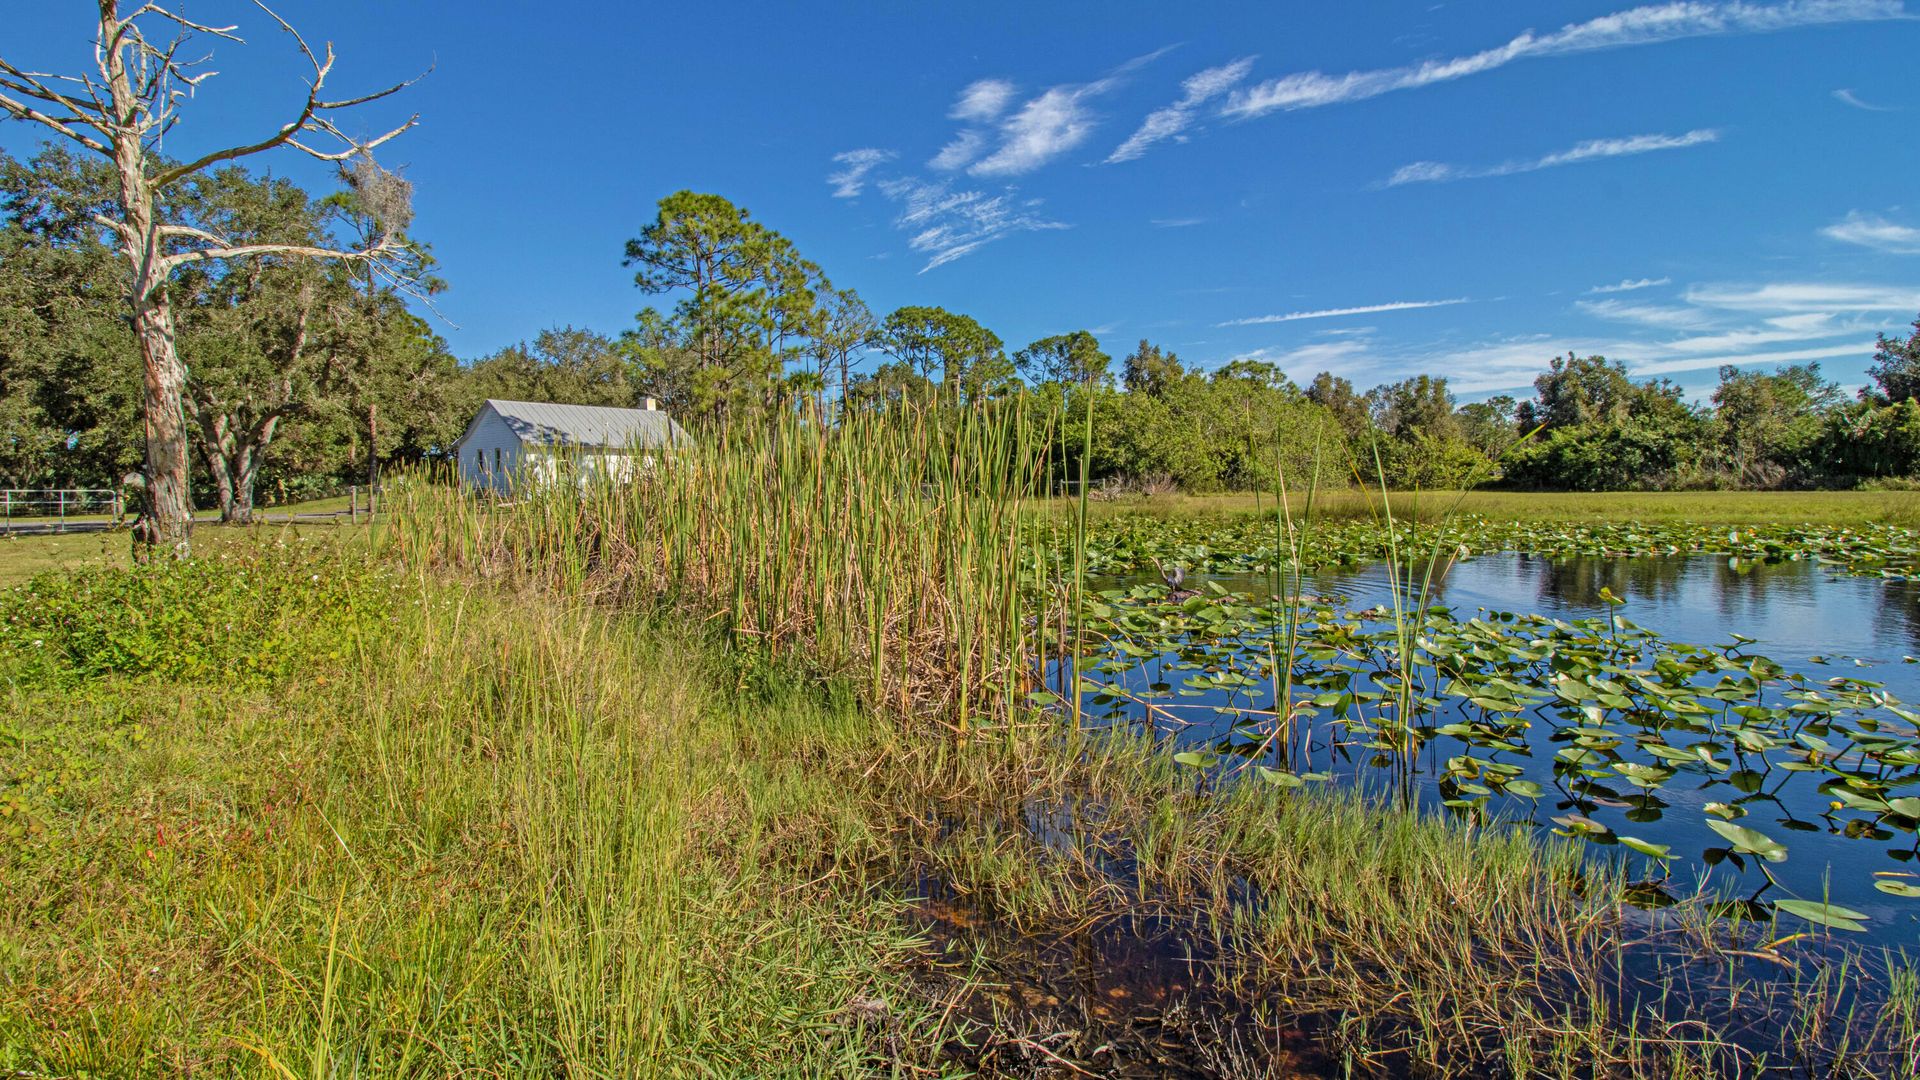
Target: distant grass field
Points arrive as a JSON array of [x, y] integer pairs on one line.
[[1712, 507], [337, 504], [21, 557]]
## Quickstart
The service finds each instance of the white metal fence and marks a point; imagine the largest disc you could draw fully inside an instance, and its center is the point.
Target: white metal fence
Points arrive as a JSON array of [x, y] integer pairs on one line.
[[55, 506]]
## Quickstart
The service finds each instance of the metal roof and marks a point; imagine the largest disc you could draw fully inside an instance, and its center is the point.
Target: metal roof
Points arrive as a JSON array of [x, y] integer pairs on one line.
[[541, 423]]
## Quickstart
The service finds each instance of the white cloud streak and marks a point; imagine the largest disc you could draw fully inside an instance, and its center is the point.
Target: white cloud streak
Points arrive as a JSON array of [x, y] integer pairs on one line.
[[946, 225], [1169, 122], [1043, 129], [1630, 284], [852, 179], [1639, 26], [1427, 172], [1848, 97], [1873, 231], [983, 100], [1711, 326], [1334, 313], [1670, 318], [1055, 121], [1788, 298], [964, 148]]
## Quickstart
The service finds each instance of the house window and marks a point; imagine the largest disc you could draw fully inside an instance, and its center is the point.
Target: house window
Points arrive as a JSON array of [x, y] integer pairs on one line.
[[479, 464], [496, 462]]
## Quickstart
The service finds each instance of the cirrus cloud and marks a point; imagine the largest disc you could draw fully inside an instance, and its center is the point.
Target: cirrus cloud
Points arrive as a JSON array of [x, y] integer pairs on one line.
[[1428, 172], [1876, 232], [1647, 25]]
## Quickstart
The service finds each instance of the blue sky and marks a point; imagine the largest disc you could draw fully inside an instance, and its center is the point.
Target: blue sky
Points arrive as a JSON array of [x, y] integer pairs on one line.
[[1376, 189]]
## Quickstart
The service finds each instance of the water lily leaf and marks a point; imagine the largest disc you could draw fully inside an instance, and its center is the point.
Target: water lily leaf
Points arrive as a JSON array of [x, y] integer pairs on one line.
[[1897, 888], [1750, 841], [1526, 789], [1644, 847], [1199, 759], [1581, 825], [1279, 778], [1858, 802], [1824, 914], [1906, 807]]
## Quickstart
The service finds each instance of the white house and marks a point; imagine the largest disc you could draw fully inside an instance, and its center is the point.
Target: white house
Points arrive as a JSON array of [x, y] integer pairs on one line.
[[515, 442]]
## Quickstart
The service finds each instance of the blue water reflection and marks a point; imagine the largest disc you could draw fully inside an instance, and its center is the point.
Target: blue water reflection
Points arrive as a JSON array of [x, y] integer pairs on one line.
[[1804, 616]]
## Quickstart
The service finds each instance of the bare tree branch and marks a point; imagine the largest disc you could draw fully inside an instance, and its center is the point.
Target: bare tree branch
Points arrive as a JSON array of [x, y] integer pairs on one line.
[[244, 251], [20, 111]]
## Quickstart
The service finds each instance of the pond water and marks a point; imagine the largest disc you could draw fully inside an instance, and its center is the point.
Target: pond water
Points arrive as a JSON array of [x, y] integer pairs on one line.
[[1790, 792]]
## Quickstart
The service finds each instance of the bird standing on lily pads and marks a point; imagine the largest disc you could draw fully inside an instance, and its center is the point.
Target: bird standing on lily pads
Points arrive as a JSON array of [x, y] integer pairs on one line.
[[1176, 580]]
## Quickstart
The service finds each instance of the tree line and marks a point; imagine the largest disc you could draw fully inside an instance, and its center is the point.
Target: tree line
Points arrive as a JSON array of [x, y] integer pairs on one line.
[[305, 374]]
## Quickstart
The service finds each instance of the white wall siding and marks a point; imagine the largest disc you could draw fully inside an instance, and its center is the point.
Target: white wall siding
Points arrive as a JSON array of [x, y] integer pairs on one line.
[[489, 441], [493, 458]]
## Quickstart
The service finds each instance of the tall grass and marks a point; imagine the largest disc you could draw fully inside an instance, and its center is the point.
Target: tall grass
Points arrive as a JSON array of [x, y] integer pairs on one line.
[[505, 837], [886, 549]]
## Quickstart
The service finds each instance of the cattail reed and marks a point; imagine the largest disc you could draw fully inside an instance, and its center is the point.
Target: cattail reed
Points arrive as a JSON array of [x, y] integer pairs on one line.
[[885, 549]]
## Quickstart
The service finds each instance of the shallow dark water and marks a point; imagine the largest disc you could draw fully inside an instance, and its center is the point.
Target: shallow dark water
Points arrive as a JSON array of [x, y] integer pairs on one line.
[[1806, 617]]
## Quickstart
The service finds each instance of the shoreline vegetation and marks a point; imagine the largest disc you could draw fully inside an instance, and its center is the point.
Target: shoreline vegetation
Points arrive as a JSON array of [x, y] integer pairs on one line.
[[732, 772], [509, 830]]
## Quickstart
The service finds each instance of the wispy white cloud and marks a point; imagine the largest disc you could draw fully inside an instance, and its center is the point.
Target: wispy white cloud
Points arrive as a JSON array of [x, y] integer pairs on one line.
[[1421, 172], [1670, 318], [1053, 122], [1860, 348], [980, 102], [1639, 26], [1788, 298], [983, 100], [1848, 97], [1041, 130], [1333, 313], [964, 148], [945, 225], [1178, 222], [1169, 122], [1630, 284], [1873, 231], [1343, 357], [1710, 326], [851, 179]]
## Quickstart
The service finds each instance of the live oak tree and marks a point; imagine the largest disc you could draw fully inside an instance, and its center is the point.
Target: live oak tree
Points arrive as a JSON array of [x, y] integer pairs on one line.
[[69, 369], [119, 108], [565, 364], [265, 339]]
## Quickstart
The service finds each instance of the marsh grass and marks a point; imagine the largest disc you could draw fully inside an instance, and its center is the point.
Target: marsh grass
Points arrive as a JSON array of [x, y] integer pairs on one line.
[[504, 837], [637, 782], [887, 551]]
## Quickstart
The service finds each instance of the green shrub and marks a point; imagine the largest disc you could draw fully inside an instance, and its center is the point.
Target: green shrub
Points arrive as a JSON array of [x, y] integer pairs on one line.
[[249, 616]]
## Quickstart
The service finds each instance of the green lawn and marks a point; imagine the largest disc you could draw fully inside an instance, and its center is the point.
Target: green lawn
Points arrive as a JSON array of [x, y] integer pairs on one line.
[[21, 557], [336, 504]]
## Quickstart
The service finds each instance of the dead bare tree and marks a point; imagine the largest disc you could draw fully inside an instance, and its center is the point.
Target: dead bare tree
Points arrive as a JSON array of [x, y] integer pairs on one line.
[[122, 108]]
